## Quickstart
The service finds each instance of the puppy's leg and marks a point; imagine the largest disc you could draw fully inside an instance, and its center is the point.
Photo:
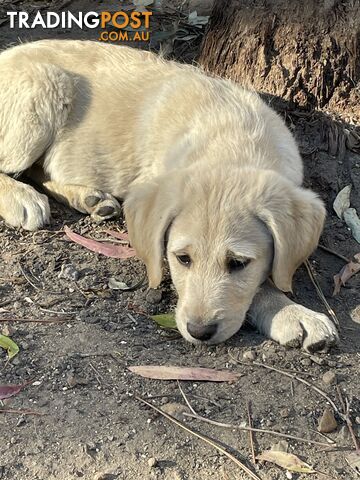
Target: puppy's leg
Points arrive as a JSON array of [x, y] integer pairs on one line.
[[34, 104], [291, 324], [99, 205], [21, 205]]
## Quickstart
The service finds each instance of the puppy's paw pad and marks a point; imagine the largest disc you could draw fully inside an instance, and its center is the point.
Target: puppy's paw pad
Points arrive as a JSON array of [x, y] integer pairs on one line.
[[105, 209]]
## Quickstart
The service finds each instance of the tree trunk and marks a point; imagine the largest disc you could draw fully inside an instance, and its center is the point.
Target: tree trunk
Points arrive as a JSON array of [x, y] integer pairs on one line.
[[306, 53]]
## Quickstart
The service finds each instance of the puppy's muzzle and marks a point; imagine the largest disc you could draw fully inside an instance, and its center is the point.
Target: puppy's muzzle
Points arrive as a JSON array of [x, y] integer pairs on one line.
[[201, 331]]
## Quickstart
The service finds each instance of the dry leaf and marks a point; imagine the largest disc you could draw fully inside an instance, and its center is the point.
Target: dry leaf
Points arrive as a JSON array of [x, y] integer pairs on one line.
[[7, 391], [345, 273], [353, 222], [113, 251], [342, 201], [286, 460], [159, 372]]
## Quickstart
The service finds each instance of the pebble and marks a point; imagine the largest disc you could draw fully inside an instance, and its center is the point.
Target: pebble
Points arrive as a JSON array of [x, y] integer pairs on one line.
[[105, 476], [357, 420], [175, 409], [154, 296], [285, 412], [327, 422], [7, 331], [69, 272], [249, 355], [329, 378], [306, 362], [152, 462]]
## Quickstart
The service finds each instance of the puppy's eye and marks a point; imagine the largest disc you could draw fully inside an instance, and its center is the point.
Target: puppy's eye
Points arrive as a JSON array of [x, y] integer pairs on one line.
[[235, 265], [184, 260]]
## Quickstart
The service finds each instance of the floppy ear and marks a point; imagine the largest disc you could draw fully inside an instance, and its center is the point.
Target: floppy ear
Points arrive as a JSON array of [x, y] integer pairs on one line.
[[149, 209], [295, 217]]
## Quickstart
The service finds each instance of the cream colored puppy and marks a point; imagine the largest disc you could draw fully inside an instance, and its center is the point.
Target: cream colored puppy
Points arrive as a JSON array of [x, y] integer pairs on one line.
[[211, 178]]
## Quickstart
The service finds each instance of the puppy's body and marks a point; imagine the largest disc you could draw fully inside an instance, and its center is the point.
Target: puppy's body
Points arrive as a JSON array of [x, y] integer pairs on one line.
[[197, 157]]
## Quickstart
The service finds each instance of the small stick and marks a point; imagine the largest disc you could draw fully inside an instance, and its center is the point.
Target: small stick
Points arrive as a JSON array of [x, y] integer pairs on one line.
[[346, 417], [259, 430], [320, 293], [295, 377], [333, 252], [202, 437], [185, 398], [24, 320], [251, 432], [21, 412]]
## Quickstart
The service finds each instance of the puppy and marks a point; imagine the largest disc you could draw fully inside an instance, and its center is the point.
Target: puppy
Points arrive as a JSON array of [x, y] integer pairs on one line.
[[200, 162]]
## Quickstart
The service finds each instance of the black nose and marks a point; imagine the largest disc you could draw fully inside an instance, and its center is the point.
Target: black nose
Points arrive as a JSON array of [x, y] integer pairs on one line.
[[201, 331]]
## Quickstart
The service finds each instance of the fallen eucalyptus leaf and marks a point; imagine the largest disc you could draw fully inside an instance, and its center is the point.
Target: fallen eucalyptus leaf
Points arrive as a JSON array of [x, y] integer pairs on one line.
[[286, 460], [159, 372], [353, 222], [113, 251], [342, 201], [9, 345], [345, 273], [7, 391], [165, 320]]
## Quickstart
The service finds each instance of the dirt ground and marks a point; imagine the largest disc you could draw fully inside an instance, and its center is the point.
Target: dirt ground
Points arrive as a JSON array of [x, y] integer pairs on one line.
[[87, 422]]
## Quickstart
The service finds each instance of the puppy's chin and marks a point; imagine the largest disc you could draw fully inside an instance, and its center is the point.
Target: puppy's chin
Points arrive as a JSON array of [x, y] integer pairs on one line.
[[225, 331]]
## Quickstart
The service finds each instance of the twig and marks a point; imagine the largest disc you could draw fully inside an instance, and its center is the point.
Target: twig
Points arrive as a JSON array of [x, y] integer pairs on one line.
[[333, 252], [202, 437], [295, 377], [321, 294], [251, 435], [24, 320], [258, 430], [21, 412], [346, 408], [185, 398]]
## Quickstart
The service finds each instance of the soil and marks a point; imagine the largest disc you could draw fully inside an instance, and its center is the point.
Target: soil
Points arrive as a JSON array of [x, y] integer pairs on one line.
[[86, 421]]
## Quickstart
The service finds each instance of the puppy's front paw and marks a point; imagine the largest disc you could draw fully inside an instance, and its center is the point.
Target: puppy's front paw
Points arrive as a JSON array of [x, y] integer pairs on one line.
[[24, 207], [300, 326]]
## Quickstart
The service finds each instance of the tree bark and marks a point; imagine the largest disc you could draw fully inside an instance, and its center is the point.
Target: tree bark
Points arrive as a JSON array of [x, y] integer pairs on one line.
[[306, 53]]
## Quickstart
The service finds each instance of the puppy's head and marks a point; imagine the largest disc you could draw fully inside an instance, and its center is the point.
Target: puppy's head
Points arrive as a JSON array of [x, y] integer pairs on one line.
[[226, 233]]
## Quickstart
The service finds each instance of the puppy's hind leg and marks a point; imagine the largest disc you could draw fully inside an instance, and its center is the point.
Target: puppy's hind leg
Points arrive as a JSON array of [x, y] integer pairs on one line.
[[99, 205]]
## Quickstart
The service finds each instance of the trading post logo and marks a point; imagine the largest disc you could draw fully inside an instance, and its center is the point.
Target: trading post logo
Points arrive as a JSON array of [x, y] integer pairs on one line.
[[120, 26]]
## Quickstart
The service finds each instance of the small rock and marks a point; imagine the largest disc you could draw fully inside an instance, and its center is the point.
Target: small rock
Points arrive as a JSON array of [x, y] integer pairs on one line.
[[175, 409], [306, 362], [105, 476], [7, 330], [249, 355], [281, 446], [357, 420], [329, 377], [154, 296], [69, 272], [327, 422], [152, 462], [73, 380], [285, 412]]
